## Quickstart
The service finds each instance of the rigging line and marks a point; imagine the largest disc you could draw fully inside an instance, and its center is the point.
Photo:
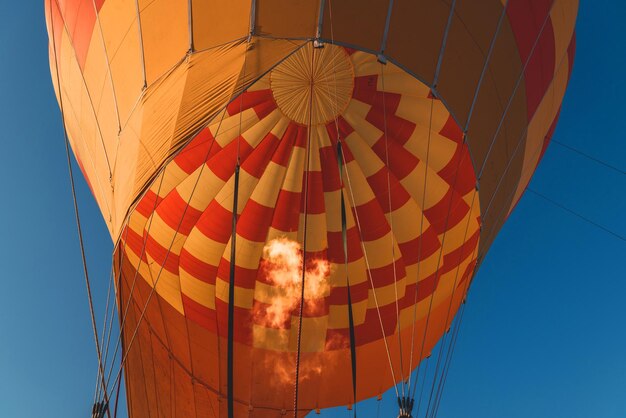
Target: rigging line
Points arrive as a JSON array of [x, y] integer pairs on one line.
[[513, 93], [113, 311], [371, 280], [419, 402], [456, 330], [152, 291], [143, 57], [455, 336], [584, 218], [231, 297], [444, 42], [230, 375], [105, 322], [344, 237], [117, 398], [393, 242], [444, 375], [142, 254], [443, 240], [419, 252], [106, 56], [76, 213], [518, 147], [85, 270], [454, 288], [344, 232], [597, 160], [304, 237], [485, 65], [190, 26], [446, 363], [93, 110], [513, 191]]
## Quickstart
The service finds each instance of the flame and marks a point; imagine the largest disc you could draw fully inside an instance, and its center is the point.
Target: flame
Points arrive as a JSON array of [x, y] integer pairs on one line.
[[283, 267]]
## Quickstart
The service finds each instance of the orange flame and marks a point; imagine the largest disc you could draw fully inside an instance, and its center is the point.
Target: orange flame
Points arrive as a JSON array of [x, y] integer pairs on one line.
[[283, 266]]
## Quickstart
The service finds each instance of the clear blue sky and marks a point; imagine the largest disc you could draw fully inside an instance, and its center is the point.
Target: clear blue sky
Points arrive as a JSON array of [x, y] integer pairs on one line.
[[544, 333]]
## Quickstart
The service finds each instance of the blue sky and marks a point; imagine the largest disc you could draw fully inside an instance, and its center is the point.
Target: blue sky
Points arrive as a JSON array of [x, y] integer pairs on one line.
[[543, 334]]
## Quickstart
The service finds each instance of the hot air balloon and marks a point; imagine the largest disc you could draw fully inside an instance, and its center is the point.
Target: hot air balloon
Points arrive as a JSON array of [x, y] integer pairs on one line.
[[300, 192]]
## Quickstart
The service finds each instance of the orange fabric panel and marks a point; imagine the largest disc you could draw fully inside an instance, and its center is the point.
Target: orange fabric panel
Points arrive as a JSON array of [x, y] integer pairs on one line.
[[217, 22]]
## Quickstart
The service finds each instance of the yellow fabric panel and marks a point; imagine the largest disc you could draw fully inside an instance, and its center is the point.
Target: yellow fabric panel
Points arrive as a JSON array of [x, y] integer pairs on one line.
[[387, 295], [539, 125], [400, 82], [425, 178], [406, 221], [379, 251], [120, 31], [165, 34], [313, 335], [367, 159], [270, 338], [216, 22], [82, 126], [293, 179], [255, 134], [332, 205], [316, 231], [225, 128], [267, 189], [418, 110], [338, 314], [563, 18], [199, 291], [244, 298]]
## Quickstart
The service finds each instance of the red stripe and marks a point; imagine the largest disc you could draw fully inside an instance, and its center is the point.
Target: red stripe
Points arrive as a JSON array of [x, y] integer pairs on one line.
[[161, 255], [454, 258], [452, 131], [223, 163], [215, 222], [365, 88], [315, 191], [148, 203], [335, 246], [285, 147], [198, 151], [330, 168], [254, 222], [372, 220], [444, 215], [383, 276], [177, 213], [199, 314], [249, 99], [256, 162], [526, 18], [245, 278], [287, 212], [358, 292], [382, 182], [420, 248], [242, 319], [384, 119], [400, 161], [133, 241], [197, 268], [459, 172]]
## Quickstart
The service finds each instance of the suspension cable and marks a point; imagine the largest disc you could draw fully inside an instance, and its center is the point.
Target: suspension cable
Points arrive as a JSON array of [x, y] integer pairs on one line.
[[304, 238], [77, 216]]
